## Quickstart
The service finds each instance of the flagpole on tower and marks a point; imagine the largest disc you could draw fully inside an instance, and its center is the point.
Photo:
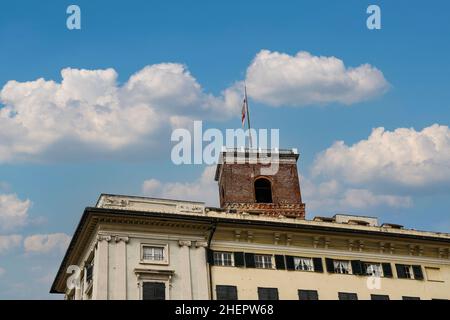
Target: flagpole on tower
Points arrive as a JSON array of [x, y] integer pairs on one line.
[[248, 116]]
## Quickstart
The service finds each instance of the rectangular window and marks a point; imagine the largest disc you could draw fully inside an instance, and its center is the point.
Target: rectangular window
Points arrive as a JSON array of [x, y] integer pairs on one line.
[[373, 269], [151, 253], [267, 293], [304, 264], [410, 298], [308, 295], [223, 259], [153, 291], [347, 296], [404, 271], [226, 293], [341, 266], [379, 297], [263, 261]]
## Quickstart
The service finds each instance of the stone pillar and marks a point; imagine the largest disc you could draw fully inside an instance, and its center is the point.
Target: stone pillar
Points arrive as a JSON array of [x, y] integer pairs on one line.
[[100, 285], [199, 272], [120, 279], [185, 269]]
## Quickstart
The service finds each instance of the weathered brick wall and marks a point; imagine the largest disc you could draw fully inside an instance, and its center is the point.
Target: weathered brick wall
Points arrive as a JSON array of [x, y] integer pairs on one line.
[[236, 186]]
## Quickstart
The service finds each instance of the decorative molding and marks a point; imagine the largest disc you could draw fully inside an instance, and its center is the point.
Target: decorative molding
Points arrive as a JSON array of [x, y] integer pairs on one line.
[[249, 236], [276, 237], [184, 243], [327, 242], [295, 210], [316, 241], [103, 237], [118, 238], [288, 239], [237, 235], [201, 244]]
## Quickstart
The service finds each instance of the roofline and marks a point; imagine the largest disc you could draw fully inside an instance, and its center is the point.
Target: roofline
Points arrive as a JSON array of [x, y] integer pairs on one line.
[[141, 197], [89, 211]]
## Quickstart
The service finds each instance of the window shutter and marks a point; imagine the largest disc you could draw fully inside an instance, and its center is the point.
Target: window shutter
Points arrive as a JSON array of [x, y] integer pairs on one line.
[[249, 260], [279, 262], [239, 259], [363, 268], [210, 256], [318, 266], [418, 274], [356, 267], [290, 265], [400, 271], [89, 272], [330, 265], [387, 270]]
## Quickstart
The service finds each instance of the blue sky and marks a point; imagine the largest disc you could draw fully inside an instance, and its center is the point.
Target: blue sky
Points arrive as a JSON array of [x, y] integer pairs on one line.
[[217, 42]]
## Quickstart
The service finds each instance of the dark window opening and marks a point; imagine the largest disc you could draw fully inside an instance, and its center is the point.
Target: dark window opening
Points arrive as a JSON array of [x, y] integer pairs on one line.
[[263, 191], [267, 293], [379, 297], [347, 296], [410, 298], [154, 291], [308, 295], [226, 293]]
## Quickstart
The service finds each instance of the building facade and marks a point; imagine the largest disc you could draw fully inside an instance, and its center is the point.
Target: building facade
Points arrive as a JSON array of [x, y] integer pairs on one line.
[[257, 245]]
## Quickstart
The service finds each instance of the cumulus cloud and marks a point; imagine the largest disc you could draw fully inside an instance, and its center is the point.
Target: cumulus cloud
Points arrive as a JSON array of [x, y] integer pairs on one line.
[[89, 109], [88, 113], [403, 157], [204, 189], [280, 79], [13, 212], [332, 196], [9, 242], [46, 243]]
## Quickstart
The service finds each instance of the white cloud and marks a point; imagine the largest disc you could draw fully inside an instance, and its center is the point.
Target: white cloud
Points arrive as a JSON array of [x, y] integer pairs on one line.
[[13, 212], [403, 157], [90, 109], [90, 114], [332, 196], [46, 243], [9, 242], [280, 79], [204, 189]]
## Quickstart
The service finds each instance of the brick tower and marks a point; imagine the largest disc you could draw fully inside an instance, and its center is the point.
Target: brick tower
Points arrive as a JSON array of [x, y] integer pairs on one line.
[[245, 185]]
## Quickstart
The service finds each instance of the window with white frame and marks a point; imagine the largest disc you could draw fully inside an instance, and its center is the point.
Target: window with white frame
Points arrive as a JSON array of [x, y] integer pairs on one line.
[[263, 261], [373, 269], [154, 253], [223, 259], [304, 264], [408, 272], [342, 266]]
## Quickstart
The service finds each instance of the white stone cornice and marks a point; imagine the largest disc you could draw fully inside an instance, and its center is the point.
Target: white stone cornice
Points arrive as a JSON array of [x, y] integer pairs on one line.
[[103, 237], [201, 244], [184, 243], [118, 238]]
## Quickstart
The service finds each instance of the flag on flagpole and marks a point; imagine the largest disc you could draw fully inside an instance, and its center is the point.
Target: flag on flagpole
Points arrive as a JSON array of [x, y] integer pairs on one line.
[[244, 112]]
